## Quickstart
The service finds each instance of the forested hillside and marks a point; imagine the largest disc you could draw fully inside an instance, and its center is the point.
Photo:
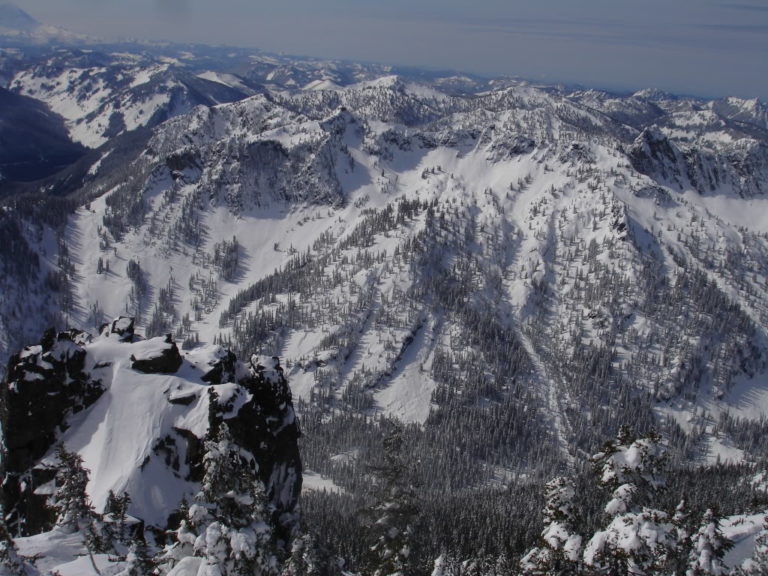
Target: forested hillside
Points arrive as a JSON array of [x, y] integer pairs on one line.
[[471, 286]]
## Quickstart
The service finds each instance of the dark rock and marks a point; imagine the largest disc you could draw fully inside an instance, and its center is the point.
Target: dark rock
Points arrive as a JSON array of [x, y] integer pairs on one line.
[[177, 162], [183, 400], [222, 370], [653, 154], [578, 154], [44, 385], [161, 360], [48, 383], [267, 426], [123, 326], [659, 195], [194, 454], [48, 339]]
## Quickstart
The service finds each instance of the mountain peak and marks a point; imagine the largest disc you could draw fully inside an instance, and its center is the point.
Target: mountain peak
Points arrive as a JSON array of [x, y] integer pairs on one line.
[[14, 18]]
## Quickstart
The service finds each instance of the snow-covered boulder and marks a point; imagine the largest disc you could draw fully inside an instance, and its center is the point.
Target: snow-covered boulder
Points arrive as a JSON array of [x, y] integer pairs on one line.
[[122, 327], [157, 356]]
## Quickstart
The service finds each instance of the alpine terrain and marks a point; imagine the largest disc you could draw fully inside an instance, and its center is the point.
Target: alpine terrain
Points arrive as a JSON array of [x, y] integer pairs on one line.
[[500, 307]]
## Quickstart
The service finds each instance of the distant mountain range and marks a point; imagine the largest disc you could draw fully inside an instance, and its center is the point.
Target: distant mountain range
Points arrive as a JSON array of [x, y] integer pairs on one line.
[[515, 270], [19, 28]]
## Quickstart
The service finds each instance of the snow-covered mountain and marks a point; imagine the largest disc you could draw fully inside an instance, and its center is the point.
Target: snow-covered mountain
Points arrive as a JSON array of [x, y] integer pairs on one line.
[[531, 229], [384, 235], [515, 270], [33, 141], [102, 95], [19, 28]]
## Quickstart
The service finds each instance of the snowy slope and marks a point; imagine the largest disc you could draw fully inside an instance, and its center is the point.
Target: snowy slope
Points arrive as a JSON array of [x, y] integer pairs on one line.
[[102, 94], [521, 204], [582, 257], [517, 272], [136, 412]]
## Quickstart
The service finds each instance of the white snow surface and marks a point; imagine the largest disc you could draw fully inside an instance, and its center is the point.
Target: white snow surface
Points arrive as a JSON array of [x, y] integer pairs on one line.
[[742, 530], [464, 174], [312, 481], [525, 211], [65, 554], [89, 99], [116, 436], [226, 79]]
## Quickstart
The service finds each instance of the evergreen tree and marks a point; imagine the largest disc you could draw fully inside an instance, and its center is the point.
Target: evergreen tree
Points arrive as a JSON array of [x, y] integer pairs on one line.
[[708, 546], [11, 564], [227, 526], [560, 547], [638, 539], [503, 565], [116, 510], [138, 561], [182, 546], [394, 514], [446, 565], [73, 510], [305, 559], [681, 535]]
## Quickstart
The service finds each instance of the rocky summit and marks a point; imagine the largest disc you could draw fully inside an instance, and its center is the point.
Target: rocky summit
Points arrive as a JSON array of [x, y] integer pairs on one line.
[[139, 414]]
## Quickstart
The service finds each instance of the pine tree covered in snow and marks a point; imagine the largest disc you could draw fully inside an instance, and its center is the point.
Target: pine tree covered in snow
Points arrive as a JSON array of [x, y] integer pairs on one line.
[[446, 565], [139, 561], [638, 539], [560, 547], [681, 533], [73, 509], [227, 528], [180, 549], [708, 546], [11, 564], [116, 511], [305, 558]]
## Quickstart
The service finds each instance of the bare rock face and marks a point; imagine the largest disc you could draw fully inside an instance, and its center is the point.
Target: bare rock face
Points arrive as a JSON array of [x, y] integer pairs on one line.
[[45, 384], [222, 369], [653, 154], [268, 427]]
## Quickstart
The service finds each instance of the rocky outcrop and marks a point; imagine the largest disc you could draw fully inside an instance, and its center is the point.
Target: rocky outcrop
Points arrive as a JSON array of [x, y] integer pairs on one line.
[[122, 327], [163, 358], [707, 166], [49, 382], [45, 384], [222, 369], [653, 154], [267, 425]]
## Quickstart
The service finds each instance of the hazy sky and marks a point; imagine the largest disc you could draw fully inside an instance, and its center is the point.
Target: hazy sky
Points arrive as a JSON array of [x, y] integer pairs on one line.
[[702, 47]]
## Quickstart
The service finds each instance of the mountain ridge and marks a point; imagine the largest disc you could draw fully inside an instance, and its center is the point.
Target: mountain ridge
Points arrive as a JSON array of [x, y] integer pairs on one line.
[[512, 272]]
